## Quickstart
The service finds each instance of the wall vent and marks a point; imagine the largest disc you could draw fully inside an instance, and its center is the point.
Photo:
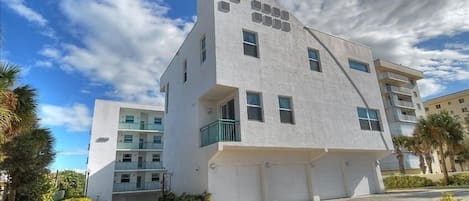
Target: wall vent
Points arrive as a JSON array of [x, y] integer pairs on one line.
[[267, 20], [256, 5], [277, 24], [224, 6], [257, 17], [266, 8], [286, 26], [234, 1], [275, 12], [285, 15]]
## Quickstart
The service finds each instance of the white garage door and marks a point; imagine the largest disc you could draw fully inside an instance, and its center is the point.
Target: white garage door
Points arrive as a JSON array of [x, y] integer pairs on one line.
[[287, 183], [328, 176], [236, 184], [361, 177]]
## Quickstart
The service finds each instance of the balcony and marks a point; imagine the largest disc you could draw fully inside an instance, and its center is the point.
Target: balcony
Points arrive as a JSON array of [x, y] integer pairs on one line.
[[407, 118], [146, 145], [394, 78], [138, 165], [222, 130], [405, 104], [140, 126], [129, 187], [399, 90]]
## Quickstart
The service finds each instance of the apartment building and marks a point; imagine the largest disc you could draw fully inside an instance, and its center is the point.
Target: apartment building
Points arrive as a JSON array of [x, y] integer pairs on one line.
[[403, 106], [457, 104], [125, 152], [261, 107]]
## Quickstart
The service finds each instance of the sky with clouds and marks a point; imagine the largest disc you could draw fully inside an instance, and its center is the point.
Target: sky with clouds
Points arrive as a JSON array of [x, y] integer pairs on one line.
[[77, 51]]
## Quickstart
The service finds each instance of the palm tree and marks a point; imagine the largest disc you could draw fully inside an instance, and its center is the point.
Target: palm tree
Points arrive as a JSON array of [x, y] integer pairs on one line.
[[425, 145], [400, 143], [8, 99], [415, 145]]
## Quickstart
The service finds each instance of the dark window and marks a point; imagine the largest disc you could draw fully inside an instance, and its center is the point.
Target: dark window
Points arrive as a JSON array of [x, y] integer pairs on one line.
[[369, 119], [313, 57], [128, 138], [359, 66], [464, 109], [426, 109], [250, 44], [157, 120], [203, 50], [127, 158], [254, 106], [461, 100], [286, 110], [166, 102], [157, 139], [125, 178], [185, 71], [129, 119], [155, 177], [156, 158], [438, 106]]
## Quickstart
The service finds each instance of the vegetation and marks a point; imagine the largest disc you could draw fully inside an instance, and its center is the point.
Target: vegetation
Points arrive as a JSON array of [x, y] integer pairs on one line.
[[72, 183], [402, 182], [459, 179], [449, 197], [185, 197], [78, 199], [400, 143]]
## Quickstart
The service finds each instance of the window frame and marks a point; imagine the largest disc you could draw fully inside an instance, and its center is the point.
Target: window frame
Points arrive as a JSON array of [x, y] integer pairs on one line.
[[184, 79], [160, 121], [125, 139], [126, 158], [129, 119], [291, 110], [367, 66], [125, 178], [166, 102], [461, 100], [317, 60], [369, 119], [155, 178], [158, 157], [438, 106], [155, 141], [260, 107], [256, 45], [203, 49]]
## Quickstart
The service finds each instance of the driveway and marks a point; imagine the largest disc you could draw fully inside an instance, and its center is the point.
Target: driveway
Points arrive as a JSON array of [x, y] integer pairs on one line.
[[415, 195]]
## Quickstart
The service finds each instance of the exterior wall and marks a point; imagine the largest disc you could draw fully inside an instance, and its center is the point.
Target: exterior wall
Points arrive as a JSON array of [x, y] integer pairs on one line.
[[105, 135]]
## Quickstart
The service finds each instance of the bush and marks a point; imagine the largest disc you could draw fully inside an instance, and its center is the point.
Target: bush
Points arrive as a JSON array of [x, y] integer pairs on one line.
[[448, 197], [400, 182], [185, 197], [459, 179], [78, 199]]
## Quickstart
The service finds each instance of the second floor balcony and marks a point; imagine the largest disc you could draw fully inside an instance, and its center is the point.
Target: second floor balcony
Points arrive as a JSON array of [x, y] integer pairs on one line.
[[142, 165], [144, 145], [407, 118], [399, 90], [142, 186], [222, 130], [141, 126]]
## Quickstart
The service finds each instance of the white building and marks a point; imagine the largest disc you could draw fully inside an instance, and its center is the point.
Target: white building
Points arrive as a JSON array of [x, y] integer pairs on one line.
[[403, 105], [260, 107], [125, 156]]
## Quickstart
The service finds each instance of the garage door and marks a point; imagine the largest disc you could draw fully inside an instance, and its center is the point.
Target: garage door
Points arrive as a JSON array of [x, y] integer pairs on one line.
[[328, 176], [236, 184], [361, 177], [287, 183]]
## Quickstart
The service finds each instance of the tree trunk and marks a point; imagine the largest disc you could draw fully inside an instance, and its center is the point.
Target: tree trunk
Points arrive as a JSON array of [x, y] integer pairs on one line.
[[453, 163], [423, 167], [400, 159], [12, 193], [428, 159], [445, 169]]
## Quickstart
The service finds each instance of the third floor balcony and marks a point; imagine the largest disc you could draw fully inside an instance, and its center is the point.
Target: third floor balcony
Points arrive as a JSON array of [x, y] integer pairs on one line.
[[400, 90], [141, 126], [394, 78], [222, 130], [140, 165]]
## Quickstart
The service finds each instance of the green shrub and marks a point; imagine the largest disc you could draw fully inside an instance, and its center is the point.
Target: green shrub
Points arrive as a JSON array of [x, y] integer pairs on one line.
[[78, 199], [459, 179], [448, 197], [185, 197], [400, 182]]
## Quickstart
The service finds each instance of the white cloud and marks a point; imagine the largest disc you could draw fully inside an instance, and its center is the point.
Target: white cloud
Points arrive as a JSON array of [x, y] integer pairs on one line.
[[77, 152], [393, 29], [50, 53], [126, 44], [75, 118], [43, 63], [29, 14]]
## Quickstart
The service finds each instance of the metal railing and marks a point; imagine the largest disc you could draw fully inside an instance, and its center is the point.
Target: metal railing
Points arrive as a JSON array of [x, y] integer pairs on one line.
[[222, 130], [141, 126], [394, 76], [401, 90], [404, 117], [138, 165], [125, 187], [404, 103], [145, 145]]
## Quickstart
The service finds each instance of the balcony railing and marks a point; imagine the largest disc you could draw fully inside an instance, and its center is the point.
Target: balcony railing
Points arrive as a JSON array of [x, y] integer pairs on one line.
[[394, 76], [145, 145], [138, 165], [141, 126], [402, 103], [223, 130], [126, 187], [411, 118], [401, 90]]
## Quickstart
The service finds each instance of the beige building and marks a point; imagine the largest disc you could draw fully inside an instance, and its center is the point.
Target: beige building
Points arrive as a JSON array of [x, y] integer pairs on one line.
[[403, 106], [457, 104]]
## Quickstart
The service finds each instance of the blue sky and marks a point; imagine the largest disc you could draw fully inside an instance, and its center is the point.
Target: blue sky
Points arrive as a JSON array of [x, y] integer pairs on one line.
[[76, 51]]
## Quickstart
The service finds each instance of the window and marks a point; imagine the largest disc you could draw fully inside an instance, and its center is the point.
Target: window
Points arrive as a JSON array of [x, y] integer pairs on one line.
[[438, 106], [412, 82], [157, 120], [203, 50], [185, 71], [415, 94], [254, 106], [313, 57], [419, 107], [461, 100], [464, 109], [129, 119], [368, 119], [166, 102], [128, 138], [426, 109], [286, 110], [125, 178], [155, 177], [250, 44], [449, 103], [358, 65], [127, 158], [157, 139], [155, 158], [451, 112]]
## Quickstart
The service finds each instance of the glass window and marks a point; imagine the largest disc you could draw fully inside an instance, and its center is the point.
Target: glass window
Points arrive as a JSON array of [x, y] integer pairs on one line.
[[286, 110], [203, 50], [157, 139], [185, 71], [128, 138], [155, 177], [461, 100], [438, 106], [250, 44], [313, 56], [157, 120], [358, 66], [155, 158], [166, 102], [129, 119], [125, 178], [254, 106], [127, 158], [464, 109], [369, 119]]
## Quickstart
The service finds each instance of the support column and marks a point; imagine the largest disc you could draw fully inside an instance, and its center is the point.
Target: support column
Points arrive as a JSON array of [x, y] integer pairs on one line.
[[312, 189], [379, 184], [263, 182]]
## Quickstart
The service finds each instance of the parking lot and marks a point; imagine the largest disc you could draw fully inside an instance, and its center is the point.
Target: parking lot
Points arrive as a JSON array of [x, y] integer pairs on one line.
[[416, 195]]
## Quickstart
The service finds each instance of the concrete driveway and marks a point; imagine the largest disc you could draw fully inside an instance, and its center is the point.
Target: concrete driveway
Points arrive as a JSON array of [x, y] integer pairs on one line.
[[415, 195]]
